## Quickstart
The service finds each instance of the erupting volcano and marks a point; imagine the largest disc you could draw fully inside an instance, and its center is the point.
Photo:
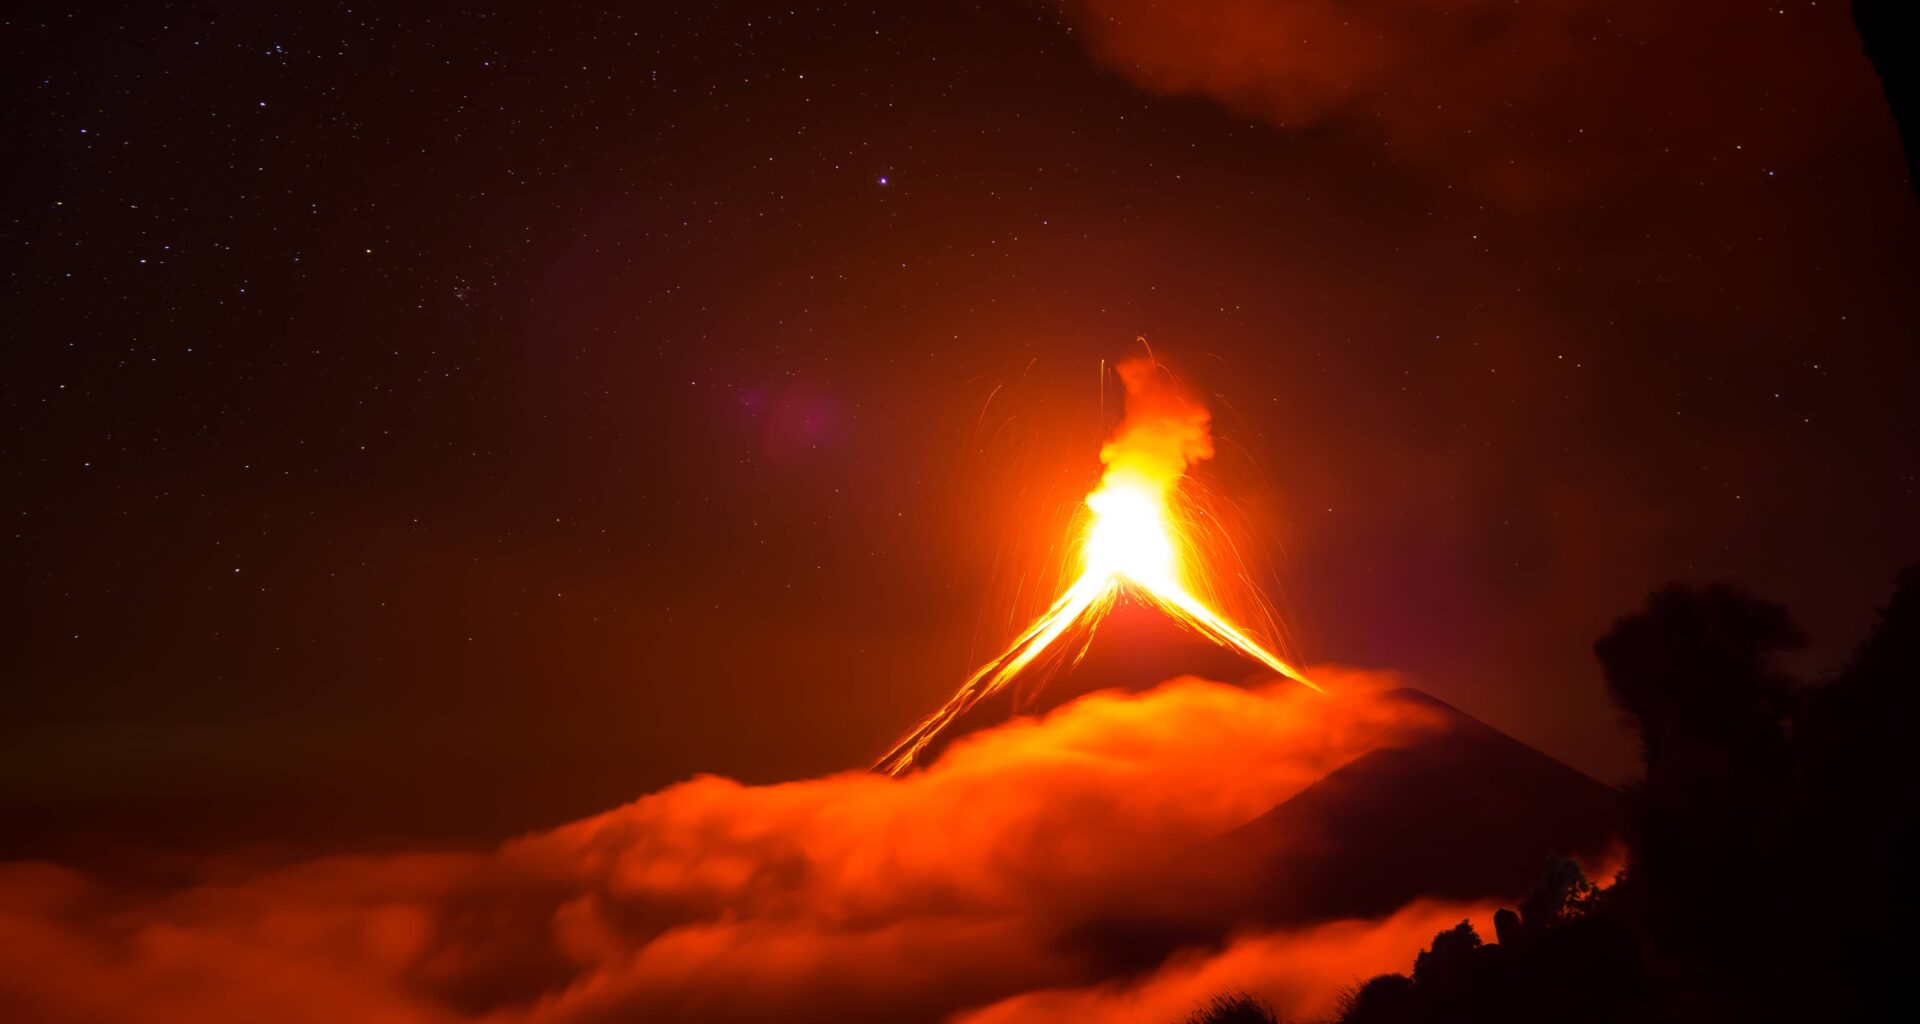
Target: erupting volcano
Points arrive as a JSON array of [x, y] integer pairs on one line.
[[1138, 545]]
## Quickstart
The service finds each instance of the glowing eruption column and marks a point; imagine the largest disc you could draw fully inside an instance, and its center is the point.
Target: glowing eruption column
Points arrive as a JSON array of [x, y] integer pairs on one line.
[[1133, 546]]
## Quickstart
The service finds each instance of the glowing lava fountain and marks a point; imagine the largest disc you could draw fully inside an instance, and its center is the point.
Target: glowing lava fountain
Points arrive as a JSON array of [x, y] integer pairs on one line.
[[1134, 546]]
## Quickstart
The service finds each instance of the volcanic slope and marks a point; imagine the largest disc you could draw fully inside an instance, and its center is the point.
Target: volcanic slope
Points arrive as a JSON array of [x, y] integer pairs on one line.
[[1450, 808]]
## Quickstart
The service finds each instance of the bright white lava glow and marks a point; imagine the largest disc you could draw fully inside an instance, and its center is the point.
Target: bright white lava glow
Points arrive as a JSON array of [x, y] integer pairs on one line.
[[1129, 536]]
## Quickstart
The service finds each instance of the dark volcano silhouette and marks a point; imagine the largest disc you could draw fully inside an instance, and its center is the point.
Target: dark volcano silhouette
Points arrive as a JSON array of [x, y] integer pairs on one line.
[[1441, 807], [1449, 809]]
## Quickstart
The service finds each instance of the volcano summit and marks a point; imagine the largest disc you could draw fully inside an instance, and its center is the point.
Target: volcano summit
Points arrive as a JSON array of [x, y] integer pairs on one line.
[[1141, 545]]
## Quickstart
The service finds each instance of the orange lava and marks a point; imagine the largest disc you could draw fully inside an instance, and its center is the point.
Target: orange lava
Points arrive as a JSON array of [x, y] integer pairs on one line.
[[1134, 545]]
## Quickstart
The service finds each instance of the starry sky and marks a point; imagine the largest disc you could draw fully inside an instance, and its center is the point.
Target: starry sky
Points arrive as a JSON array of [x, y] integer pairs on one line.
[[434, 423]]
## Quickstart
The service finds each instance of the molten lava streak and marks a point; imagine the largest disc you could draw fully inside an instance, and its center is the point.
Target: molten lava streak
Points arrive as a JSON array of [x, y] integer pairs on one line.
[[1134, 546]]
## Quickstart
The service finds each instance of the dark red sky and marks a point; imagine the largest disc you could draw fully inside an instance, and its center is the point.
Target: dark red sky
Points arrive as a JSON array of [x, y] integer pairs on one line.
[[432, 424]]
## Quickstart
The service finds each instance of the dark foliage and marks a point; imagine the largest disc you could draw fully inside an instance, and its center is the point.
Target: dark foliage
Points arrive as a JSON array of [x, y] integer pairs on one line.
[[1769, 846], [1233, 1008], [1557, 960]]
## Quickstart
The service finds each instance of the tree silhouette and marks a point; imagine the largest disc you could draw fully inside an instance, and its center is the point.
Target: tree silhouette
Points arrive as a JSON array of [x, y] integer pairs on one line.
[[1707, 827], [1386, 999], [1693, 670]]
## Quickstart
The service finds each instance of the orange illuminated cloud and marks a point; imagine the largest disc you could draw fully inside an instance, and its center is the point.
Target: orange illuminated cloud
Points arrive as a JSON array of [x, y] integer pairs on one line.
[[851, 897]]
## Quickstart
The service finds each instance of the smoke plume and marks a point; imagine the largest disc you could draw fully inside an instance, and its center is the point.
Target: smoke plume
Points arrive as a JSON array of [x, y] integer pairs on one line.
[[1164, 432]]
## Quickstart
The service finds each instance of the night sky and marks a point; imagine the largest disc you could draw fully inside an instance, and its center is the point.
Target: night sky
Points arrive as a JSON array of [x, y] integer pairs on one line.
[[433, 424]]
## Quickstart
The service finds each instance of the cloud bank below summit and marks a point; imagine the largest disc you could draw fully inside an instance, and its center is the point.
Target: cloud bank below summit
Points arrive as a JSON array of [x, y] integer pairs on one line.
[[962, 889]]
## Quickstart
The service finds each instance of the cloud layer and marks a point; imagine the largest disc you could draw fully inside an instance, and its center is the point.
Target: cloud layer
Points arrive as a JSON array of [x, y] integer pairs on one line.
[[960, 889]]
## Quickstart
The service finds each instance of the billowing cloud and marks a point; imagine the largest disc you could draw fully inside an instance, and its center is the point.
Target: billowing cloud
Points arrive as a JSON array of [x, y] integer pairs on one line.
[[967, 887]]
